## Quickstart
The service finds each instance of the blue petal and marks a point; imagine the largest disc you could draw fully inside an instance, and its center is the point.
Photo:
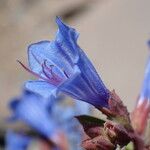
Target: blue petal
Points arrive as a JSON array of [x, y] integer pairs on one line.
[[13, 103], [67, 113], [145, 91], [67, 36], [41, 87], [35, 114], [87, 86], [79, 89], [82, 108], [16, 141], [91, 76], [49, 51]]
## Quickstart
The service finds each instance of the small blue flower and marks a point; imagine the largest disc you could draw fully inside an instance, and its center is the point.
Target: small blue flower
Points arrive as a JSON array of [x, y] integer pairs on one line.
[[141, 111], [17, 141], [62, 66], [31, 109]]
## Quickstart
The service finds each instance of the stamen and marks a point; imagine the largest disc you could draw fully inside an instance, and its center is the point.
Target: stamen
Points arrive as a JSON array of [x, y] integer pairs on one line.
[[54, 79], [45, 73], [49, 68], [30, 71]]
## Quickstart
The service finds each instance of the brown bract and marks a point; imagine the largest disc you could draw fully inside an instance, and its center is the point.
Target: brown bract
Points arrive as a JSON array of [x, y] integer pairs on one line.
[[116, 130]]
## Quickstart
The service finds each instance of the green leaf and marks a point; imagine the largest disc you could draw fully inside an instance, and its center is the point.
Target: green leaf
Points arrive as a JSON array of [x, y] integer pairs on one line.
[[90, 121], [92, 126]]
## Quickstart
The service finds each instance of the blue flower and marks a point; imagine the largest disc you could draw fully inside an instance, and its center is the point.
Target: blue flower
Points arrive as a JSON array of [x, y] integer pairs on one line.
[[140, 114], [17, 141], [62, 66], [31, 109], [145, 90]]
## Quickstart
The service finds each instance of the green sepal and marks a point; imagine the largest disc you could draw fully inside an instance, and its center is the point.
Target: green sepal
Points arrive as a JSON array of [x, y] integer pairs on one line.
[[90, 121]]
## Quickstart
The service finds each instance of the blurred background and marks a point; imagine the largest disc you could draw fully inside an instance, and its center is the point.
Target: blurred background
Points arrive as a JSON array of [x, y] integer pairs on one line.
[[113, 33]]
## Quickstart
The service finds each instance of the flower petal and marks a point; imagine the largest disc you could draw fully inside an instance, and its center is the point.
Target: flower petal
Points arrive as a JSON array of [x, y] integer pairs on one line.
[[13, 103], [91, 76], [145, 91], [51, 52], [67, 36], [82, 108], [35, 114], [41, 87], [79, 89], [16, 141]]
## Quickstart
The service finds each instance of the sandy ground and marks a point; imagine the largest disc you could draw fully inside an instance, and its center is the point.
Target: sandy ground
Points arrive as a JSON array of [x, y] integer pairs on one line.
[[113, 33]]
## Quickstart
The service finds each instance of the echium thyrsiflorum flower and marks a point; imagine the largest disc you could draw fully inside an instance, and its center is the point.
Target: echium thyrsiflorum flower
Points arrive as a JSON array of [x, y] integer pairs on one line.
[[32, 110], [61, 65], [141, 111], [29, 108], [17, 141], [53, 122]]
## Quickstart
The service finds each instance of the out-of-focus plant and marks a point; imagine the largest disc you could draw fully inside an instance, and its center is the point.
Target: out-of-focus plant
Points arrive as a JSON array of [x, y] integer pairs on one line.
[[61, 66], [17, 141], [49, 119]]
